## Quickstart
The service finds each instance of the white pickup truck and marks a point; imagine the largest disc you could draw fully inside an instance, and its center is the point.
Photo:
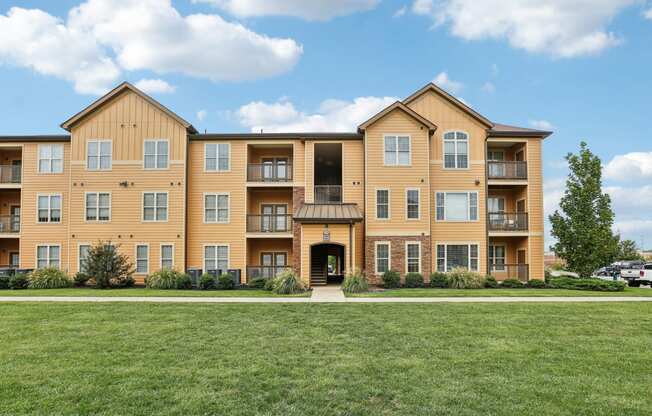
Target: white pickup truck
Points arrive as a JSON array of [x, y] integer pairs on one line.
[[637, 276]]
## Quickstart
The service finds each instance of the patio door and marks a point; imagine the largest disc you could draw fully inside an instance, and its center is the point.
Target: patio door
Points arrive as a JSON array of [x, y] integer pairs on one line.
[[16, 170], [496, 170], [522, 268], [520, 214], [274, 168], [15, 218], [272, 263], [496, 210], [14, 259], [274, 217]]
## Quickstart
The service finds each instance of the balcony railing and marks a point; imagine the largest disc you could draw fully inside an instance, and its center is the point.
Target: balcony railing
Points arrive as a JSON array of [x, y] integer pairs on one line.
[[510, 271], [507, 221], [9, 174], [265, 272], [272, 223], [328, 194], [269, 172], [507, 170], [9, 223]]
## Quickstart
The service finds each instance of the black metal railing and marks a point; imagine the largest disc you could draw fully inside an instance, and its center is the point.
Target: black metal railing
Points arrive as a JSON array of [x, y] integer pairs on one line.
[[507, 221], [9, 223], [264, 272], [510, 271], [328, 194], [9, 174], [269, 172], [272, 223], [507, 170]]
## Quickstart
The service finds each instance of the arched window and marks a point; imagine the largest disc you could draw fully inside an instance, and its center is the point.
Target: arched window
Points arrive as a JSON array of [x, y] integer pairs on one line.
[[456, 150]]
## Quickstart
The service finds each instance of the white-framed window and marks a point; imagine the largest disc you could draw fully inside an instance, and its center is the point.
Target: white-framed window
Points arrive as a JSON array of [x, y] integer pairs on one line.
[[83, 255], [49, 208], [216, 208], [456, 206], [48, 256], [98, 206], [217, 157], [382, 204], [156, 154], [216, 257], [497, 257], [142, 258], [50, 158], [413, 257], [99, 154], [456, 150], [383, 262], [412, 197], [450, 256], [397, 150], [167, 256], [155, 206]]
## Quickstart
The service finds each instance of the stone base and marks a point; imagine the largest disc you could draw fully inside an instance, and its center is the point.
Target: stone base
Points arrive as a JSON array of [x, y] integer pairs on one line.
[[397, 255]]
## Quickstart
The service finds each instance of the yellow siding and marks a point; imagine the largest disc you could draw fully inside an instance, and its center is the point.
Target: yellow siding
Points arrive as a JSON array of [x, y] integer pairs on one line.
[[353, 172], [535, 208], [266, 245], [261, 196]]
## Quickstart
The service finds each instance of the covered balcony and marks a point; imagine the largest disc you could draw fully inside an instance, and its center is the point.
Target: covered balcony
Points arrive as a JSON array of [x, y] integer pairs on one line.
[[10, 167], [269, 164], [506, 161], [269, 212], [267, 258], [328, 173], [507, 221], [508, 258]]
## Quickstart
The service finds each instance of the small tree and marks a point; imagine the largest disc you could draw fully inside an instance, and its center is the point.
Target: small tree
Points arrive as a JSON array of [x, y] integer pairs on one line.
[[107, 267], [627, 250], [583, 227]]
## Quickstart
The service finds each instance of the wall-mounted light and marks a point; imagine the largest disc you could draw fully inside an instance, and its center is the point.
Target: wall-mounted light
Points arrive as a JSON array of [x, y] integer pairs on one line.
[[477, 182]]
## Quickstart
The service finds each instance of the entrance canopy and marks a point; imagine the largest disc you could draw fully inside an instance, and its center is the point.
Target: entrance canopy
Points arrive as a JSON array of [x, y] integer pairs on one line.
[[329, 214]]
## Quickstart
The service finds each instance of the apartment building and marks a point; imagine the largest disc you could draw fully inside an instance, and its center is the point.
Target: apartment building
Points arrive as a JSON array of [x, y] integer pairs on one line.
[[426, 184]]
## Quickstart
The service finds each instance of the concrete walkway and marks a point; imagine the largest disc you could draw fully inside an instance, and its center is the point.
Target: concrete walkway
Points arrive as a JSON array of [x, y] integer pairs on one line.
[[329, 293]]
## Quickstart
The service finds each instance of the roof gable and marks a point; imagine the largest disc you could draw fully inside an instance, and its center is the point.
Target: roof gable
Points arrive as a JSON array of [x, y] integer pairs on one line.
[[402, 107]]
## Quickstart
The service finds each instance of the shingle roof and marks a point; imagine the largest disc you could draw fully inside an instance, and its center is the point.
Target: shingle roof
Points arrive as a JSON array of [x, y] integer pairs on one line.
[[281, 136], [36, 138], [399, 106], [329, 213], [504, 130]]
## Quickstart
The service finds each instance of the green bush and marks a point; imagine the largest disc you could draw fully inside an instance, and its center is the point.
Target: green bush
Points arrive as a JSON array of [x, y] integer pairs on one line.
[[438, 280], [490, 282], [108, 267], [391, 279], [355, 282], [288, 283], [269, 284], [536, 284], [598, 285], [225, 282], [81, 279], [207, 282], [168, 279], [258, 283], [511, 284], [49, 278], [547, 275], [4, 282], [18, 281], [413, 280], [460, 278]]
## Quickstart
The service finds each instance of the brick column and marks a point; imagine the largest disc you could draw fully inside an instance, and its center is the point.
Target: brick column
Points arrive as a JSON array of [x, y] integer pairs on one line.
[[298, 198]]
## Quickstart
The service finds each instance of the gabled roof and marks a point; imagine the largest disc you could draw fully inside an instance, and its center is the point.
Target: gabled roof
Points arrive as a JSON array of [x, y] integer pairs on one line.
[[278, 136], [456, 102], [36, 138], [399, 106], [68, 124], [503, 130]]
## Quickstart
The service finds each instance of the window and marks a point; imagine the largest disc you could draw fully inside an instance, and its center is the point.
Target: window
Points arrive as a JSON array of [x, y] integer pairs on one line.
[[167, 256], [217, 157], [156, 154], [397, 150], [142, 258], [382, 258], [497, 257], [50, 158], [47, 256], [412, 204], [456, 206], [216, 258], [382, 204], [98, 155], [413, 257], [456, 150], [83, 255], [216, 208], [98, 206], [450, 256], [155, 206], [49, 208]]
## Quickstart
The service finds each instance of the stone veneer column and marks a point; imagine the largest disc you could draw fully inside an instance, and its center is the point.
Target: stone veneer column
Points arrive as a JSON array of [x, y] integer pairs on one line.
[[298, 198], [397, 253]]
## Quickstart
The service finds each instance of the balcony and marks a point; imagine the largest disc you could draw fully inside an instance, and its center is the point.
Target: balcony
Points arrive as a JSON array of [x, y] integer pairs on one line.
[[507, 221], [510, 271], [269, 224], [9, 224], [269, 172], [10, 174], [328, 194], [507, 170], [265, 272]]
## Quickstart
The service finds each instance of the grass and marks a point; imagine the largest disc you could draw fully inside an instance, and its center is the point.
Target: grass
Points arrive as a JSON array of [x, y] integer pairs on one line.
[[139, 291], [429, 293], [306, 359]]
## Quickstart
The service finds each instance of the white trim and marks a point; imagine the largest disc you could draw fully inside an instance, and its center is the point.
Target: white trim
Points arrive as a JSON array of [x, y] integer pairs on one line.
[[79, 245], [468, 214], [48, 245], [228, 254], [492, 248], [468, 150], [418, 204], [406, 255], [49, 195], [228, 207], [160, 255], [136, 257], [397, 164], [155, 141], [457, 243], [389, 204], [389, 256], [99, 155], [38, 159], [167, 206], [217, 158], [98, 206]]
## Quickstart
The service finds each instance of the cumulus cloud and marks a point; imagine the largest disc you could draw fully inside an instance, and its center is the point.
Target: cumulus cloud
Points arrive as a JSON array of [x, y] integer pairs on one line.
[[442, 80], [332, 115], [102, 38], [155, 86], [308, 10], [489, 87], [648, 14], [541, 124], [630, 166], [201, 115], [400, 12], [561, 28]]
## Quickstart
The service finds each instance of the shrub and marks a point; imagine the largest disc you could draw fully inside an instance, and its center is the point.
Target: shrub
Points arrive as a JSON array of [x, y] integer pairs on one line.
[[355, 282], [511, 284], [413, 280], [288, 283], [490, 282], [184, 281], [586, 284], [4, 282], [49, 278], [81, 279], [168, 279], [391, 279], [207, 282], [536, 284], [18, 281], [107, 267], [460, 278], [547, 275], [269, 284], [439, 280], [258, 283], [225, 282]]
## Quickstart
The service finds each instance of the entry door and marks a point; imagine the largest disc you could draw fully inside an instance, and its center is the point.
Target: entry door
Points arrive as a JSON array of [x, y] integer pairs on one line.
[[16, 170], [15, 218], [522, 269]]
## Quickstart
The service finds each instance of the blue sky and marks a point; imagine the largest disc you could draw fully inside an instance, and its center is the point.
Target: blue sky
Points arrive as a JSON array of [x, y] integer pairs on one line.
[[579, 66]]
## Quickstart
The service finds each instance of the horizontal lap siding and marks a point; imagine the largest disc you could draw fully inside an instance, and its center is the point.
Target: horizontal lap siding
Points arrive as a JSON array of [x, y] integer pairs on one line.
[[535, 208], [267, 245]]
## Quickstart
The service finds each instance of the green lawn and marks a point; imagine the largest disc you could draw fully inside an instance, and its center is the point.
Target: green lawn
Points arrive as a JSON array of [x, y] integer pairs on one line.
[[307, 359], [139, 291], [427, 292]]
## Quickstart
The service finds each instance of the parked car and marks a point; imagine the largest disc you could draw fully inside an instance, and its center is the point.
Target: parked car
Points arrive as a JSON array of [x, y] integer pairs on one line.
[[607, 273], [637, 276]]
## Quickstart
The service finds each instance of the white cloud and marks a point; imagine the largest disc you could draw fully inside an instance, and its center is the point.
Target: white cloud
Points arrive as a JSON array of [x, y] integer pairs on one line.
[[332, 115], [155, 86], [494, 69], [489, 87], [305, 9], [561, 28], [630, 166], [541, 124], [648, 14], [442, 80], [400, 12], [201, 115], [101, 38]]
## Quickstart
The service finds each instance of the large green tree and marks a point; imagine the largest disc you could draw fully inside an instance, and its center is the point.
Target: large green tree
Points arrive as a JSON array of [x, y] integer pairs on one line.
[[582, 226], [627, 250]]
